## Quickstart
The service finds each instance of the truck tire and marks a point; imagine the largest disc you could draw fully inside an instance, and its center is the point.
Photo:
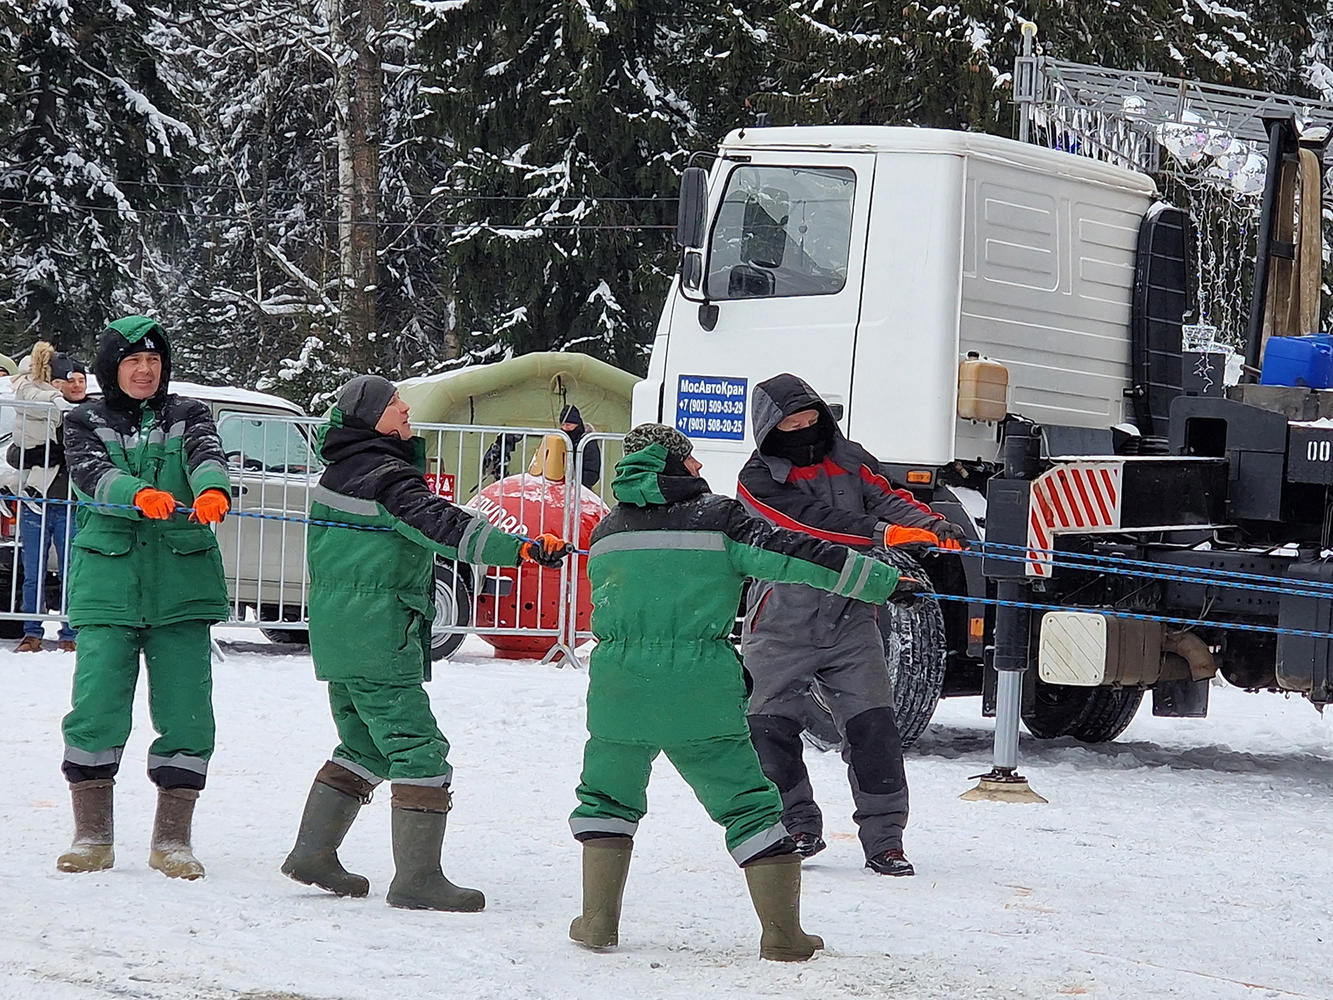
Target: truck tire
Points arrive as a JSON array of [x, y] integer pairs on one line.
[[453, 606], [1090, 715], [914, 648]]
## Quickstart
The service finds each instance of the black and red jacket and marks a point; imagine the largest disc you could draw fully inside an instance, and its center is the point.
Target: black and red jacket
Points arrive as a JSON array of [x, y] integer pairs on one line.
[[842, 498]]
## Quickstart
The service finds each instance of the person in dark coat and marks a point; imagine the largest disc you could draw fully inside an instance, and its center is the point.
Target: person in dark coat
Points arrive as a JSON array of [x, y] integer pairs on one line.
[[806, 476], [571, 422]]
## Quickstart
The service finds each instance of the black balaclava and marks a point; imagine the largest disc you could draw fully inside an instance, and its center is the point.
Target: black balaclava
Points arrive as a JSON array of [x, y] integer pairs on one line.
[[808, 446]]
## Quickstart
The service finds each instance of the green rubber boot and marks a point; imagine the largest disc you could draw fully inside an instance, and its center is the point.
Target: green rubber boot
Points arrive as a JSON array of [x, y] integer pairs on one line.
[[418, 834], [92, 849], [329, 812], [605, 867], [775, 889]]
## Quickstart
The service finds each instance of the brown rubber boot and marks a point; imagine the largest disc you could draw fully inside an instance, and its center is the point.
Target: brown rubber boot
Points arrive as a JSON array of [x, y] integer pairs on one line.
[[775, 889], [92, 849], [171, 853], [605, 868], [334, 801], [418, 820]]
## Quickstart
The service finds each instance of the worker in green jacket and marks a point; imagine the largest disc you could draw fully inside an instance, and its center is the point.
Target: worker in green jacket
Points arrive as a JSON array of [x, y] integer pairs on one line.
[[144, 580], [372, 587], [666, 566]]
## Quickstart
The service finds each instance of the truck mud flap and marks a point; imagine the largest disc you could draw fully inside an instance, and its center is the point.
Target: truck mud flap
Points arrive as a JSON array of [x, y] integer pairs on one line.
[[1304, 663]]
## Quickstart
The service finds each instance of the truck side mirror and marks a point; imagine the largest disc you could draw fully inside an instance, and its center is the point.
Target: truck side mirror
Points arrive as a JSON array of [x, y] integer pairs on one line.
[[691, 208]]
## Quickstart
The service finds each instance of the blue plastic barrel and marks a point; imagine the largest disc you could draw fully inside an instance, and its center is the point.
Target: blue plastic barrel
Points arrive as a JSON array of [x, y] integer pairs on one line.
[[1299, 361]]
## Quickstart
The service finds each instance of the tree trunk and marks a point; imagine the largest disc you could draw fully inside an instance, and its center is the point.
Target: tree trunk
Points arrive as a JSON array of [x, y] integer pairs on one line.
[[355, 27]]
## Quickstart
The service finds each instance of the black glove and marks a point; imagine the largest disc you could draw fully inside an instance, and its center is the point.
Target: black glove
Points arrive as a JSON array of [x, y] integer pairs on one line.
[[908, 590], [947, 531]]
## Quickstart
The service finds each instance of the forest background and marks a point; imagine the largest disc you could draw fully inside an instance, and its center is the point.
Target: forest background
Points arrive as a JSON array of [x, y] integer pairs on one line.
[[300, 189]]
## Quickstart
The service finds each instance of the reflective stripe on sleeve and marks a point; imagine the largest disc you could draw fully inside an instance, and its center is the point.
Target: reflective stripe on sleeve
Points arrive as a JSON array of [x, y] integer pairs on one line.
[[860, 585], [474, 537], [102, 491]]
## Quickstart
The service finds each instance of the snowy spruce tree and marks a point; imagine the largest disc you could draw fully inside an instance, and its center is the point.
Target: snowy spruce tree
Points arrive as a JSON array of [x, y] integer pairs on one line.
[[569, 123], [264, 261], [91, 148]]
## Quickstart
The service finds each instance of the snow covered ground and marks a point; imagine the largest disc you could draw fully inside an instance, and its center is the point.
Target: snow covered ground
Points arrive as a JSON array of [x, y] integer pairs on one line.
[[1189, 859]]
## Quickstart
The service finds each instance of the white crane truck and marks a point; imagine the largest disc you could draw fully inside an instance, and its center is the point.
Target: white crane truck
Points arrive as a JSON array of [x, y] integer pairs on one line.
[[886, 265]]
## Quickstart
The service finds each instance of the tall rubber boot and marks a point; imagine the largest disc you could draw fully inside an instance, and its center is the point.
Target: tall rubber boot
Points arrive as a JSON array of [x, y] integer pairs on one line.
[[170, 852], [605, 867], [775, 889], [419, 815], [336, 796], [92, 849]]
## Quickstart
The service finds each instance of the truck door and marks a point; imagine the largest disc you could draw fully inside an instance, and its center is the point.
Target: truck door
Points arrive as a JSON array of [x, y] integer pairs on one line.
[[783, 266]]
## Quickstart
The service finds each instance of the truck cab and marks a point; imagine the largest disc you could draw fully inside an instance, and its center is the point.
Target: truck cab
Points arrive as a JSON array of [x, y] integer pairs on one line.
[[871, 260]]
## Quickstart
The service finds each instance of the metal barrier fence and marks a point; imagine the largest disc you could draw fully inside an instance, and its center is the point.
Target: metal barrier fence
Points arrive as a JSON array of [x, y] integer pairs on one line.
[[506, 474], [611, 450], [516, 608]]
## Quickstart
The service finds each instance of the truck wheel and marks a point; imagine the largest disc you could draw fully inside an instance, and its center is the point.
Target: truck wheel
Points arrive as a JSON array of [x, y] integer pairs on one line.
[[915, 650], [1090, 715], [453, 606]]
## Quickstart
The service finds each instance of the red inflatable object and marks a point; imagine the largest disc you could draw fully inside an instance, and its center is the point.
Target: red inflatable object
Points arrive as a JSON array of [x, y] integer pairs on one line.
[[529, 505]]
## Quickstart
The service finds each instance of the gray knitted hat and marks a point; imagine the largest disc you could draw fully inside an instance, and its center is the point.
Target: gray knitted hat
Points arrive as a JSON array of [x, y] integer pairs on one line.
[[672, 440], [363, 400]]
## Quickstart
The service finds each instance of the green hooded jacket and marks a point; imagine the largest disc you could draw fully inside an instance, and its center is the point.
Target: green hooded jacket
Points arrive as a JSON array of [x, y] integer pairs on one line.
[[372, 592], [126, 569], [667, 566]]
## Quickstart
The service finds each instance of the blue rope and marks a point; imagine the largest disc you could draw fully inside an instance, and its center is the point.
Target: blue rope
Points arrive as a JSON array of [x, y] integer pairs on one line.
[[1172, 575], [1093, 559], [1113, 613], [994, 602], [182, 509]]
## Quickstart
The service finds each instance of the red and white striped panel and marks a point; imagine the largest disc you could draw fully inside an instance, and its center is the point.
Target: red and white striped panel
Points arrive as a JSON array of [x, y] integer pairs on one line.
[[1077, 496]]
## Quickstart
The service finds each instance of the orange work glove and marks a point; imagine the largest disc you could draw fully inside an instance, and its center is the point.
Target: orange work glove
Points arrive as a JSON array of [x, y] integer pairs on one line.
[[896, 534], [157, 504], [210, 507], [546, 550]]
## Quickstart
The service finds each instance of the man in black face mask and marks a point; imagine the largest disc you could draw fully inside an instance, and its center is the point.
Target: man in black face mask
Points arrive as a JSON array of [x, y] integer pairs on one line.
[[806, 476]]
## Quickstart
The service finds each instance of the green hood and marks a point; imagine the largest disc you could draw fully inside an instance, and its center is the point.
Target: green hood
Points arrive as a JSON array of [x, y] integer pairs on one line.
[[642, 481]]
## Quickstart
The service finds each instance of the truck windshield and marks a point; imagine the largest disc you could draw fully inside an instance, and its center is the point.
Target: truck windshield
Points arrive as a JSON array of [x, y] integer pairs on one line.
[[782, 231]]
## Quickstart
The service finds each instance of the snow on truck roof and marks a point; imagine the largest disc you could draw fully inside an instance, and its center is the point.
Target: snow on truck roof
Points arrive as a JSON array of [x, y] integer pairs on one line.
[[948, 142]]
